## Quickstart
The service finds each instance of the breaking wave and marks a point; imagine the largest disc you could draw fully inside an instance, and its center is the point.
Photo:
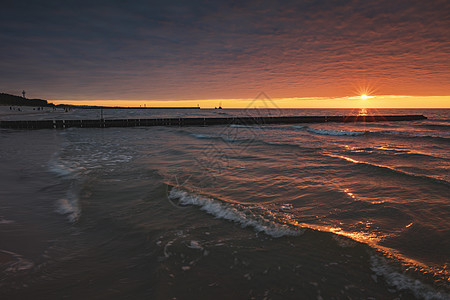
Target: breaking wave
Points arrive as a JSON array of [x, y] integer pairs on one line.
[[401, 281], [336, 132], [233, 213]]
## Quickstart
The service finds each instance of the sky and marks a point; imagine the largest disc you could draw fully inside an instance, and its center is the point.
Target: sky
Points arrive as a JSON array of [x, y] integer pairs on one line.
[[308, 53]]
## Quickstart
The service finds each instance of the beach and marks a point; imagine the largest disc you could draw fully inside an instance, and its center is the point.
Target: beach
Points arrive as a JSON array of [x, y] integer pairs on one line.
[[309, 211], [27, 112]]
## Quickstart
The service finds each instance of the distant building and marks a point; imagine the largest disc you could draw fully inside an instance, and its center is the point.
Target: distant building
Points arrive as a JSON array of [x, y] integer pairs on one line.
[[23, 93]]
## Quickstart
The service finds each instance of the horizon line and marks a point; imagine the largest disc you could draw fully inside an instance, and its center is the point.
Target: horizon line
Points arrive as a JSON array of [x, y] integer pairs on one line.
[[373, 101]]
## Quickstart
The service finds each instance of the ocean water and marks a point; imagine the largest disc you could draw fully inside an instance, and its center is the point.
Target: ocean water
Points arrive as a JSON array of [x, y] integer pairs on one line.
[[304, 211]]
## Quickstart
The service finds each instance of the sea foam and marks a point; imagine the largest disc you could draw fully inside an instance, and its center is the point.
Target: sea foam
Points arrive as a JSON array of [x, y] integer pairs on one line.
[[69, 206], [402, 282], [336, 132], [232, 213]]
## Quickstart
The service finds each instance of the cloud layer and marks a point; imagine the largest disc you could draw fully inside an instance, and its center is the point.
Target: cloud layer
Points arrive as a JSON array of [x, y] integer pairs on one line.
[[206, 50]]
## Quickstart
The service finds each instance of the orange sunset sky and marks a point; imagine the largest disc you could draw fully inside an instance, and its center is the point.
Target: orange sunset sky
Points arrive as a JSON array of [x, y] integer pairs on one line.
[[302, 54]]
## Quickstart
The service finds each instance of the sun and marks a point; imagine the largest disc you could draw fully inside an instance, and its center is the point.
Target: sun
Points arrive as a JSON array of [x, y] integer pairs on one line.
[[364, 89]]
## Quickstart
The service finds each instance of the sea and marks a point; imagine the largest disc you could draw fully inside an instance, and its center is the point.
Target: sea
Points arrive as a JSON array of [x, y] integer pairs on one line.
[[297, 211]]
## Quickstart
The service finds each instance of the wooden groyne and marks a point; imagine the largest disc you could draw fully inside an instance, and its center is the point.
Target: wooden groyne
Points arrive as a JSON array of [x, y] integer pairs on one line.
[[103, 123]]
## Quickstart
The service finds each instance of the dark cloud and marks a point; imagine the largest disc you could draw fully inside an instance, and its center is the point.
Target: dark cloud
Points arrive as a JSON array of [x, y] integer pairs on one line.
[[227, 49]]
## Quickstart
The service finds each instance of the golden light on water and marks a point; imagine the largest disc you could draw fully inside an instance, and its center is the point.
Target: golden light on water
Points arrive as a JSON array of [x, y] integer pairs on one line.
[[374, 239]]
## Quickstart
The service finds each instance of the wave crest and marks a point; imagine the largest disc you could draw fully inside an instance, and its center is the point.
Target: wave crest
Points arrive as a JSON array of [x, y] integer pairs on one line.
[[233, 213], [401, 281], [336, 132]]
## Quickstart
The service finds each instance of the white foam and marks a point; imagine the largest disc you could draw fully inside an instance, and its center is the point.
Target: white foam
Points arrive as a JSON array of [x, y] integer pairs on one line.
[[58, 168], [67, 168], [403, 282], [243, 126], [201, 136], [195, 245], [336, 132], [232, 213], [69, 206]]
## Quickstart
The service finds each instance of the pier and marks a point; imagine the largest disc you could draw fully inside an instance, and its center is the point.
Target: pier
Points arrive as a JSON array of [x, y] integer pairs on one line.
[[105, 123]]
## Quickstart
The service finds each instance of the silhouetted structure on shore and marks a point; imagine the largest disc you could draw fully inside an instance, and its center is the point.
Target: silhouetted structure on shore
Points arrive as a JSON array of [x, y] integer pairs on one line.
[[12, 100]]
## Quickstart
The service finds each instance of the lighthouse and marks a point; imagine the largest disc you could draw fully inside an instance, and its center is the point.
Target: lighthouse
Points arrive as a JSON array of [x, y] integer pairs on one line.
[[23, 93]]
